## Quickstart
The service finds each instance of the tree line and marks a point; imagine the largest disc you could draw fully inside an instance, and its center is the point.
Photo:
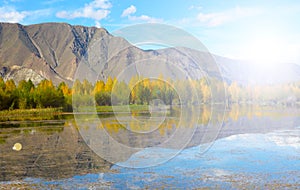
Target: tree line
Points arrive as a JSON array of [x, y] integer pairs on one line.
[[26, 95]]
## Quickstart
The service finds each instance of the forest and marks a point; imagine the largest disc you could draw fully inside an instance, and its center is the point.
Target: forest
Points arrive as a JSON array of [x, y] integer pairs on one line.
[[140, 91]]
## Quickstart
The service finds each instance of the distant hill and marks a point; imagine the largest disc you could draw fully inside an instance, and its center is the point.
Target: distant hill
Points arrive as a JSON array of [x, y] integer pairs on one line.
[[248, 73], [54, 51]]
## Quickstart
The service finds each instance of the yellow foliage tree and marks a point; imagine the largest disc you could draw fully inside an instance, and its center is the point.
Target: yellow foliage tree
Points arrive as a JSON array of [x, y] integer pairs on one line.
[[133, 91], [109, 84], [99, 87]]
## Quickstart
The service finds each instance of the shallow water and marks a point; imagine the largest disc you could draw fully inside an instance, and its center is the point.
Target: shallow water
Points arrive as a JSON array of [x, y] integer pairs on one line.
[[254, 148]]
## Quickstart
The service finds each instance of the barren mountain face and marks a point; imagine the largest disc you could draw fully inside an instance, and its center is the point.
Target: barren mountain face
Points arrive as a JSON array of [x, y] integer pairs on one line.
[[57, 51], [49, 50]]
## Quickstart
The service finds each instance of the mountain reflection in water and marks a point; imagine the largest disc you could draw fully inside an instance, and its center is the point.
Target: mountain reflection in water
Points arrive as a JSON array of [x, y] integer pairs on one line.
[[55, 150]]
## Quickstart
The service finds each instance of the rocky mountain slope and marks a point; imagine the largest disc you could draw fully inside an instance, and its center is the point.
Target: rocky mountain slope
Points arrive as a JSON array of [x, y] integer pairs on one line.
[[48, 50], [57, 51]]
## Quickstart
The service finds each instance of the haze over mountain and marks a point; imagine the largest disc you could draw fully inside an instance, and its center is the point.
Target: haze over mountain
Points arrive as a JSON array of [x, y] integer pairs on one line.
[[55, 50]]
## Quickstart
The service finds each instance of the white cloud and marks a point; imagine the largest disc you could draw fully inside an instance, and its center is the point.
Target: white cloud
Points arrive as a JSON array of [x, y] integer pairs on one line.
[[143, 18], [220, 18], [97, 10], [10, 14], [130, 10], [285, 138]]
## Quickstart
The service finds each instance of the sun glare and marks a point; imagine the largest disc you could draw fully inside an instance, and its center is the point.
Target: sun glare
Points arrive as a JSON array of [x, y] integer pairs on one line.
[[265, 50]]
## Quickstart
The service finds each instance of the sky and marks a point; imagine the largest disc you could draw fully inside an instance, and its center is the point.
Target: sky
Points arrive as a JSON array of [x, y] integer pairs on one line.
[[262, 31]]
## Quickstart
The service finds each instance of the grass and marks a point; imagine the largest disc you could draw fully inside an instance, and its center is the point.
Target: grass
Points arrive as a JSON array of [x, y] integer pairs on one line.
[[122, 108], [114, 109], [53, 113], [30, 114]]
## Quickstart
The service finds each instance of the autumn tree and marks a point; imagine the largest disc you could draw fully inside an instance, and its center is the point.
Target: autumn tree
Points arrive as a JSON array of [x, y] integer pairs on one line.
[[233, 91], [11, 96], [102, 92], [67, 93], [46, 95], [205, 90], [99, 87], [5, 96], [109, 85], [133, 90]]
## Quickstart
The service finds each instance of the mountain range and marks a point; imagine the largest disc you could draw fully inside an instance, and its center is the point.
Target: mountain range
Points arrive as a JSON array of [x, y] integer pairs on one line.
[[63, 52]]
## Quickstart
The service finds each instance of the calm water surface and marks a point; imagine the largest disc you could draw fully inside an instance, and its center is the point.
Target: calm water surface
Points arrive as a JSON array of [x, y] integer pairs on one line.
[[254, 148]]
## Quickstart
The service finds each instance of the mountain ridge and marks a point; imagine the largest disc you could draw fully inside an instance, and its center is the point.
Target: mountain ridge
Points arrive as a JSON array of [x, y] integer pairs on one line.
[[56, 51]]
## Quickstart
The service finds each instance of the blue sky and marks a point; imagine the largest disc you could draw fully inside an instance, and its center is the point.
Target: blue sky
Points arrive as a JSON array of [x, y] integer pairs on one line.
[[258, 30]]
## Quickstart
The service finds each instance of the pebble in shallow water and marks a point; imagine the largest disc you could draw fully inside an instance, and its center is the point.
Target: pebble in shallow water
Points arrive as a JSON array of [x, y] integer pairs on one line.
[[17, 147]]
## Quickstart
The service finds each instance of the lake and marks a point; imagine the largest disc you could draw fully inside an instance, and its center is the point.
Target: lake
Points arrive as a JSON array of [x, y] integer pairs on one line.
[[241, 147]]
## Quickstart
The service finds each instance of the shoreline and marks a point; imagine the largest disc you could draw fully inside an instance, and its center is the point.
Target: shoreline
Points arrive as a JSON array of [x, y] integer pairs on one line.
[[36, 114]]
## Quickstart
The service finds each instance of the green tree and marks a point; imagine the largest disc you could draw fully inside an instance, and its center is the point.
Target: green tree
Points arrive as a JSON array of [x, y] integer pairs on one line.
[[87, 87], [103, 98], [77, 87], [170, 95], [144, 94], [2, 84], [121, 93], [24, 94]]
